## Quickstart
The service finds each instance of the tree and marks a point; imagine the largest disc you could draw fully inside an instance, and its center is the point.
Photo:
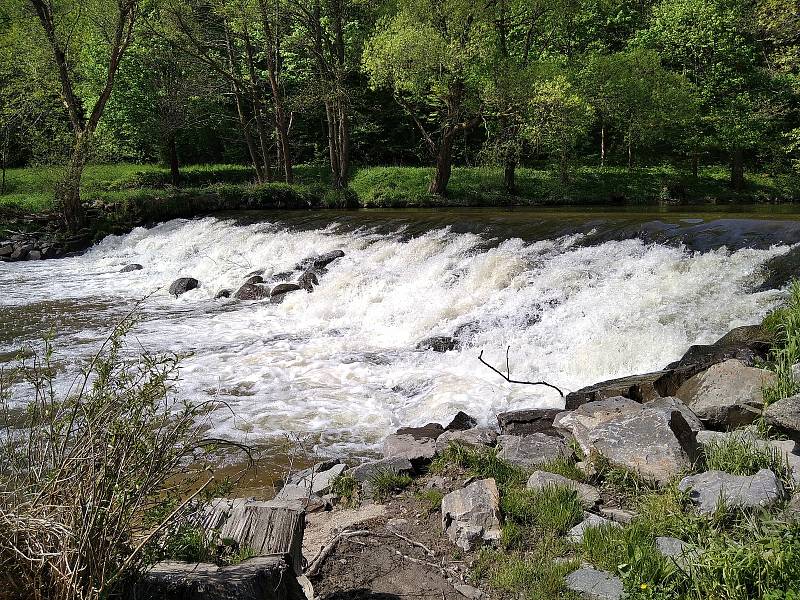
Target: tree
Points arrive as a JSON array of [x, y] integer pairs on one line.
[[430, 53], [110, 24], [559, 119]]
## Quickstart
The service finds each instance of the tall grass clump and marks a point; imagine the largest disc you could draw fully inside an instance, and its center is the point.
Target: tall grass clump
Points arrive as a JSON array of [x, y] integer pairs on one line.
[[744, 453], [784, 323], [481, 462], [95, 481]]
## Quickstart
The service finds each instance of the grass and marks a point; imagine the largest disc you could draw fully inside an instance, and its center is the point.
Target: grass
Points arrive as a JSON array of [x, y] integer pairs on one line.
[[746, 454], [431, 500], [785, 324], [346, 488], [533, 577], [563, 466], [553, 509], [480, 462], [386, 482]]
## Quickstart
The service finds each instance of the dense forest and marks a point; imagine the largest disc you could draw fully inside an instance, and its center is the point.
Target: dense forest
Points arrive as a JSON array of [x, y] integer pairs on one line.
[[277, 83]]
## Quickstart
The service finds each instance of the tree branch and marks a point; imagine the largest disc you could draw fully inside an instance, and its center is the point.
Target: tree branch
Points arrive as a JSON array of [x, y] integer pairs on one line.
[[507, 377]]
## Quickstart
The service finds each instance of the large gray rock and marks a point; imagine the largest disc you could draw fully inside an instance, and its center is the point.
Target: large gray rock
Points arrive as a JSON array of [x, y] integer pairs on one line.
[[182, 285], [710, 489], [260, 578], [679, 551], [364, 472], [477, 436], [575, 534], [785, 416], [531, 420], [727, 395], [471, 515], [654, 444], [252, 291], [588, 495], [461, 421], [283, 288], [640, 388], [317, 479], [579, 422], [319, 262], [670, 403], [407, 446], [595, 585], [528, 451], [749, 344]]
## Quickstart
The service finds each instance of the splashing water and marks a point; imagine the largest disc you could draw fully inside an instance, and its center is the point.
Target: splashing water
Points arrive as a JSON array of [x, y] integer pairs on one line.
[[341, 363]]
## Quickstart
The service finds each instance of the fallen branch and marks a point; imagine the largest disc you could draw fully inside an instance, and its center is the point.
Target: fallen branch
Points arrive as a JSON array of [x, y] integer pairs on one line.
[[427, 550], [507, 375], [315, 564]]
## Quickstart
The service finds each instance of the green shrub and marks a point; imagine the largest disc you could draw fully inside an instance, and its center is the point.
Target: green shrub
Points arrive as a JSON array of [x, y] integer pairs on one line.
[[346, 487], [785, 324], [386, 482]]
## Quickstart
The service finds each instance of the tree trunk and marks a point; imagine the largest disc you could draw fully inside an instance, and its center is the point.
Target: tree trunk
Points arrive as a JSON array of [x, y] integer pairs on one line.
[[737, 169], [630, 156], [602, 146], [695, 164], [333, 145], [344, 147], [68, 190], [444, 165], [510, 176], [174, 166]]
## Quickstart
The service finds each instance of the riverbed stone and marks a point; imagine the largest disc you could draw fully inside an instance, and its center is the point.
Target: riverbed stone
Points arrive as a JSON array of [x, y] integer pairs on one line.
[[707, 490], [528, 451], [319, 262], [182, 285], [255, 279], [589, 520], [588, 495], [652, 443], [34, 255], [251, 291], [439, 343], [471, 515], [131, 267], [727, 395], [284, 288], [477, 436], [635, 387], [579, 422], [367, 470], [429, 431], [308, 280], [461, 421], [669, 403], [526, 421], [595, 585], [416, 450], [222, 294], [6, 250], [784, 415]]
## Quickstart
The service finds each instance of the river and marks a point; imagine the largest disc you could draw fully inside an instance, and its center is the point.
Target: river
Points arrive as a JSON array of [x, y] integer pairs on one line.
[[580, 295]]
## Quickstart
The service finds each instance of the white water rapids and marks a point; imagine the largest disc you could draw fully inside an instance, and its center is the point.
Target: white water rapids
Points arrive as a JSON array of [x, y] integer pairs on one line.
[[341, 363]]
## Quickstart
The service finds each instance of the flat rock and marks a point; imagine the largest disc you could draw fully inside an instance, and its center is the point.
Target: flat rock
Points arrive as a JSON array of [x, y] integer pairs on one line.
[[365, 471], [429, 431], [284, 288], [670, 403], [317, 479], [640, 388], [531, 420], [528, 451], [727, 395], [132, 267], [471, 515], [618, 515], [588, 495], [678, 550], [407, 446], [468, 591], [594, 584], [252, 291], [590, 520], [299, 496], [577, 423], [461, 421], [654, 444], [478, 436], [706, 490], [182, 285], [785, 416]]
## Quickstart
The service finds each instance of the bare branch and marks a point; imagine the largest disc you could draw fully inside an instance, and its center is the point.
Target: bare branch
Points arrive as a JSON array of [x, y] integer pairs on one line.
[[507, 377]]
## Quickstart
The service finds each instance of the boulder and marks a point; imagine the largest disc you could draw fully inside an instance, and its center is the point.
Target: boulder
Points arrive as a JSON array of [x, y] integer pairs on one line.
[[471, 515], [254, 280], [439, 343], [652, 443], [222, 294], [260, 578], [589, 496], [529, 451], [468, 591], [429, 431], [251, 291], [595, 585], [6, 250], [678, 550], [34, 255], [364, 472], [784, 415], [129, 268], [317, 479], [618, 515], [308, 280], [670, 403], [577, 423], [707, 490], [417, 450], [461, 421], [477, 436], [319, 262], [21, 251], [182, 285], [748, 344], [279, 292], [788, 450], [531, 420], [635, 387], [575, 534], [299, 496], [727, 395]]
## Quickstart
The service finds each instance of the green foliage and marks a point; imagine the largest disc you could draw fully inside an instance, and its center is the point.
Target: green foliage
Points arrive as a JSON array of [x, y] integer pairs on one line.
[[785, 324], [482, 462], [745, 454], [386, 482], [553, 509], [346, 487], [533, 577], [430, 499], [563, 466]]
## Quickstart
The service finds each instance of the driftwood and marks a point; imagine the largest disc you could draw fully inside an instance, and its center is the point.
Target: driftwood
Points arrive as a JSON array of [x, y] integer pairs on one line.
[[507, 374], [315, 564]]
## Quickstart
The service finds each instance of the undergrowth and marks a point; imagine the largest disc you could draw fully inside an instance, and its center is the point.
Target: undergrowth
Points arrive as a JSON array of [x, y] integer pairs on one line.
[[784, 323]]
